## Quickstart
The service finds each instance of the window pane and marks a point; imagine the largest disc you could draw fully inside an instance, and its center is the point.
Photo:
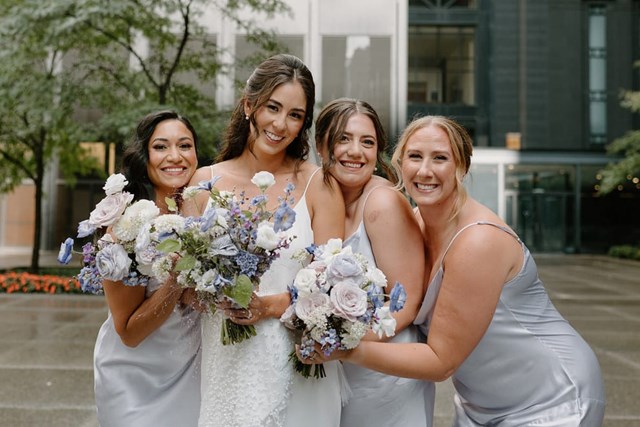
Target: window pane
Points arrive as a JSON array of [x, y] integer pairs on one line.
[[358, 67], [441, 65]]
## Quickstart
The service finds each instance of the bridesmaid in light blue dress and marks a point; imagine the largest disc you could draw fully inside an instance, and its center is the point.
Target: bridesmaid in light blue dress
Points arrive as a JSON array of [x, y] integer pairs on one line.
[[147, 353], [380, 226], [514, 360]]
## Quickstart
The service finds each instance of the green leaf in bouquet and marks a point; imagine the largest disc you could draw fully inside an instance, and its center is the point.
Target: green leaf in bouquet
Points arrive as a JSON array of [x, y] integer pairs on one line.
[[187, 262], [169, 245], [171, 204], [241, 292]]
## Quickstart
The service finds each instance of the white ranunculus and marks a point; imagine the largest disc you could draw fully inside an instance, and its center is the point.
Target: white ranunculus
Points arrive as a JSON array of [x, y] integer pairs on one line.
[[332, 248], [109, 209], [307, 307], [266, 237], [115, 184], [386, 323], [305, 281], [263, 180], [132, 220], [349, 301], [376, 276], [113, 262]]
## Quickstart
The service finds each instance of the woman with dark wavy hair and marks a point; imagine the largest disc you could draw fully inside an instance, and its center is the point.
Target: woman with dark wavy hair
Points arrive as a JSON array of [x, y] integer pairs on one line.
[[147, 353], [252, 383]]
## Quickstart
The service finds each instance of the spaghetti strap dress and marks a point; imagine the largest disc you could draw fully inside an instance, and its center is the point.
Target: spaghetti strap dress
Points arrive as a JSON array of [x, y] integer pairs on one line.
[[252, 383], [154, 384], [378, 399], [531, 367]]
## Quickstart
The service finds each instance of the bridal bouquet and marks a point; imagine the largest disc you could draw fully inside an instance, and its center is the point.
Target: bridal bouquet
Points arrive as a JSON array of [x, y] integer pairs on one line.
[[223, 253], [336, 299], [111, 255]]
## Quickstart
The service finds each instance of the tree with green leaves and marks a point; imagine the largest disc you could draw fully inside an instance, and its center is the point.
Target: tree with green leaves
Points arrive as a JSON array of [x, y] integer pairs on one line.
[[119, 59], [628, 146]]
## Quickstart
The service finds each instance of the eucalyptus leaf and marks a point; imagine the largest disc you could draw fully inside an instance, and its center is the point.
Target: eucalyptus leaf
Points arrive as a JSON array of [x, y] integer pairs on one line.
[[187, 262], [169, 245]]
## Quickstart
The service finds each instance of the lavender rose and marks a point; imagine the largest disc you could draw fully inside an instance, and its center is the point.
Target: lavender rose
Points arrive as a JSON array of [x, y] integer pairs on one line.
[[349, 301], [112, 262], [109, 209], [344, 268], [312, 308]]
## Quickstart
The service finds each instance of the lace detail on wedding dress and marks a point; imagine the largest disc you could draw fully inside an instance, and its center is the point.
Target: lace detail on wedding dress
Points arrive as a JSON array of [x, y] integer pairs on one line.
[[249, 383]]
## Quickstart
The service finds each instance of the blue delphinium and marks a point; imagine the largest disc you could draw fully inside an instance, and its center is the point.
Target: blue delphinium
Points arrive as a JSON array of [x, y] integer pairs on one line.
[[397, 297], [66, 247], [284, 217]]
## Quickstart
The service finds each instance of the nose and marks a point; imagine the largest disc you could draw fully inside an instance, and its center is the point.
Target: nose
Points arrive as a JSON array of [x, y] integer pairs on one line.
[[173, 154], [279, 121], [354, 149], [424, 170]]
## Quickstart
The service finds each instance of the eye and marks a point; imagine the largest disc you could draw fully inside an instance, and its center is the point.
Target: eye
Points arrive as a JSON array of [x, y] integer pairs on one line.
[[369, 142], [344, 139], [441, 157], [272, 107], [159, 147], [414, 156], [296, 116], [186, 146]]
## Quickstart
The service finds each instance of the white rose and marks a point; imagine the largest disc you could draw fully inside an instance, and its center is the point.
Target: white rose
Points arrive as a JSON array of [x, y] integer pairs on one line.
[[385, 322], [115, 184], [308, 308], [109, 209], [112, 262], [263, 180], [266, 236], [305, 281], [349, 301]]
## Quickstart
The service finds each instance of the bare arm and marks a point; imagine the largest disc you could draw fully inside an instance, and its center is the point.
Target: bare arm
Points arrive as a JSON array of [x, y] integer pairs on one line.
[[136, 317], [398, 248], [478, 264], [326, 207]]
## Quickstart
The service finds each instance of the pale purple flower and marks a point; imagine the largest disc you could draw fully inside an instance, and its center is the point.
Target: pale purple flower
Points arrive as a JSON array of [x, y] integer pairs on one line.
[[397, 297], [284, 217]]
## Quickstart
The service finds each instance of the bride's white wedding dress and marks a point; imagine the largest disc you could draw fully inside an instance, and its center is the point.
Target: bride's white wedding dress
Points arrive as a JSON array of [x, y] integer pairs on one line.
[[252, 383]]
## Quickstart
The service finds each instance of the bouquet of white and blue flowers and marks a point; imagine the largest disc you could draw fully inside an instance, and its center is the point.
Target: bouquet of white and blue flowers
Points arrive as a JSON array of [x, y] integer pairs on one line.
[[223, 253], [111, 255], [336, 299]]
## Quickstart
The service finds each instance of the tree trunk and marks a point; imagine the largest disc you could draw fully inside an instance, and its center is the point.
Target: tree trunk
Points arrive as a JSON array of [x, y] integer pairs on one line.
[[39, 176]]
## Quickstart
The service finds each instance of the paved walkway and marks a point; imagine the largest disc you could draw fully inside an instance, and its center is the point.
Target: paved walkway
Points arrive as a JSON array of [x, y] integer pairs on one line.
[[46, 344]]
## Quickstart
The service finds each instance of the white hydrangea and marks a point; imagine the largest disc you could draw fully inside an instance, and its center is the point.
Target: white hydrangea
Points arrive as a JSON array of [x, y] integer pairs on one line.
[[133, 218], [354, 333], [161, 268], [168, 223]]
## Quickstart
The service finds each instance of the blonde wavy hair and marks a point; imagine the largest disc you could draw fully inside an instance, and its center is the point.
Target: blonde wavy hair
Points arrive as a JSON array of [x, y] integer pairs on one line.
[[461, 147]]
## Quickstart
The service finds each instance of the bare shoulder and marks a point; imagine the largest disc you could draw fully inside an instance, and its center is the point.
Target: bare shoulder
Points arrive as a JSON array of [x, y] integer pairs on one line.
[[384, 196], [201, 174]]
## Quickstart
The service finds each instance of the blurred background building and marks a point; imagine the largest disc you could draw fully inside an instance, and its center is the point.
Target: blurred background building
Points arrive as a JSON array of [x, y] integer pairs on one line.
[[536, 82]]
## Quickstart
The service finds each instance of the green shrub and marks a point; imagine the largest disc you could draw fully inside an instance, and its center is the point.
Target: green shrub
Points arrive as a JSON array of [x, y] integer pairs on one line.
[[625, 251]]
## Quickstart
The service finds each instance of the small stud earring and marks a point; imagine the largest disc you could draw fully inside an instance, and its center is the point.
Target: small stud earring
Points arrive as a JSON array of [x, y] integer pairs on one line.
[[246, 117]]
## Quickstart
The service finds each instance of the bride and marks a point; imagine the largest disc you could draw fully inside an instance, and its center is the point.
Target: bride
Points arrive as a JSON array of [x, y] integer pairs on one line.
[[252, 383]]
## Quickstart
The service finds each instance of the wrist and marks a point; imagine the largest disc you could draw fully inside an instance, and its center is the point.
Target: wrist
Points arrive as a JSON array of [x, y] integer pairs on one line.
[[277, 304]]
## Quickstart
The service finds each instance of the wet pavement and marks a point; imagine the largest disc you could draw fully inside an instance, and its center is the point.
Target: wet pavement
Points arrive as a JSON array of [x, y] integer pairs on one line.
[[46, 343]]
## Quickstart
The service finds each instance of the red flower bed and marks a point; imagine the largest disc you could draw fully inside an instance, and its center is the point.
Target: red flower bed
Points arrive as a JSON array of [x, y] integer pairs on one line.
[[12, 282]]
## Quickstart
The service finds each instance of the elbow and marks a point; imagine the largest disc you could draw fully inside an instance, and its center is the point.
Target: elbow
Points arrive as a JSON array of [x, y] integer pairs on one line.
[[128, 339], [443, 376]]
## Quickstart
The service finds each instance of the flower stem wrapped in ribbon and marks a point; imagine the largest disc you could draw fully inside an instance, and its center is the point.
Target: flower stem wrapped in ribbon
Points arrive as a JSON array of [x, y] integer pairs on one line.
[[336, 299], [224, 253]]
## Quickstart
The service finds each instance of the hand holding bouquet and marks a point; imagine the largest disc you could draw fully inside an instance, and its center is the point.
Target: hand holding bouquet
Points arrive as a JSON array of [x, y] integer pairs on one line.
[[223, 253], [336, 299]]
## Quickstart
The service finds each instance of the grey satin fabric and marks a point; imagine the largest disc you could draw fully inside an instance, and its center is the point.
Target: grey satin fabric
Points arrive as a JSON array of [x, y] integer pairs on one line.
[[380, 400], [155, 384], [530, 367]]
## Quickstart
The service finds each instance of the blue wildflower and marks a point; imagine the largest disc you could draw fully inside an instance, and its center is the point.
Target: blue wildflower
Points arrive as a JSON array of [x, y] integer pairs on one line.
[[208, 185], [259, 200], [209, 218], [284, 218], [247, 262], [398, 297], [375, 295], [64, 256]]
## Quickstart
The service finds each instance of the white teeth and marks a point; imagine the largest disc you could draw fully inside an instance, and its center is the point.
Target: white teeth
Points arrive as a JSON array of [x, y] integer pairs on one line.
[[426, 186], [352, 165], [173, 169], [273, 136]]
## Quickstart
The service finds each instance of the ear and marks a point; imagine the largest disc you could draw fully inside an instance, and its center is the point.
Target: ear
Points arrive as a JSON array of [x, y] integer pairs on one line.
[[247, 108]]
